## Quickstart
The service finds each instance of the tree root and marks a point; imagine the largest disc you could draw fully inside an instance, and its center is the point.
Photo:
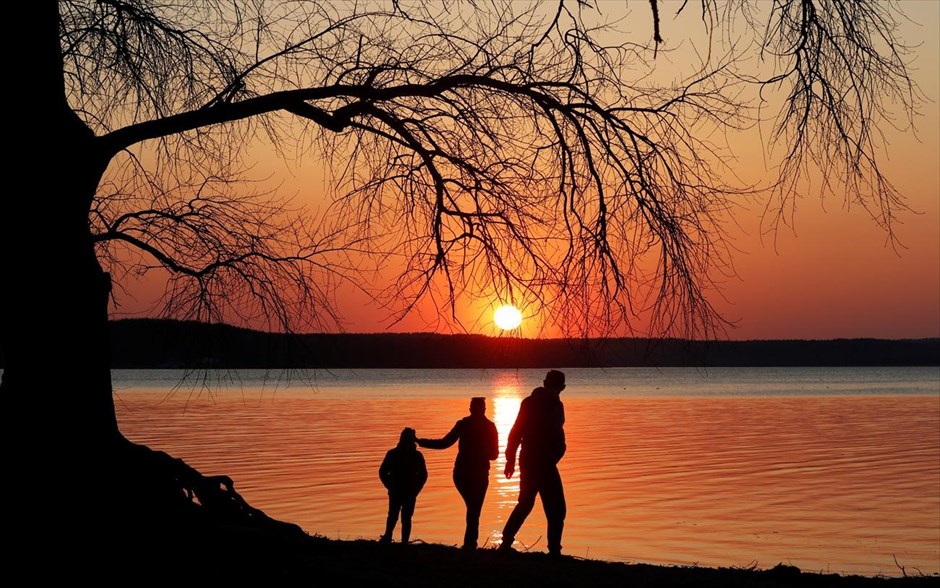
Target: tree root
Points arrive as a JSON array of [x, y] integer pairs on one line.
[[176, 491]]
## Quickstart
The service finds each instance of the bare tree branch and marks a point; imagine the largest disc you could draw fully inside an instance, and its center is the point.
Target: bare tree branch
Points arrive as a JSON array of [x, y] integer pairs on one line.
[[232, 253], [513, 151], [845, 77]]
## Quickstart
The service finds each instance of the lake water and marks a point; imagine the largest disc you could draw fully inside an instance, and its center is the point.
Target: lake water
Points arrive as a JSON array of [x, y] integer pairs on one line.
[[827, 469]]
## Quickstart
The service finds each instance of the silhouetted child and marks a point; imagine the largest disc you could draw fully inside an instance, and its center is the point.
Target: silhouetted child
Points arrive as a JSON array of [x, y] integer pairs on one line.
[[403, 473]]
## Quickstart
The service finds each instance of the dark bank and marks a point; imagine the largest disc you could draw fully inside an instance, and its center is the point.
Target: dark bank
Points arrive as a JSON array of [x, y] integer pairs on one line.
[[154, 343]]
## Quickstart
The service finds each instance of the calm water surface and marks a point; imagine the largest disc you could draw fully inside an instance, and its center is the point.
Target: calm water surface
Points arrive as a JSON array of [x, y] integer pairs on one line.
[[827, 469]]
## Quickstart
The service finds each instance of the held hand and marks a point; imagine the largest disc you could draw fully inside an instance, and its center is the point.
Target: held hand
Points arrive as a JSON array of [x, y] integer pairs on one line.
[[510, 468]]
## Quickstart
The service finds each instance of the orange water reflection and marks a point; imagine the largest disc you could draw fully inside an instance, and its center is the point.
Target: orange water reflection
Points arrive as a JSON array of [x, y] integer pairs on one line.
[[504, 491], [840, 484]]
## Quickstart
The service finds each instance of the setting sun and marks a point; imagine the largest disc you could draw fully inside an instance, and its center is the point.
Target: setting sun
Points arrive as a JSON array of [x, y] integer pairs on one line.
[[507, 317]]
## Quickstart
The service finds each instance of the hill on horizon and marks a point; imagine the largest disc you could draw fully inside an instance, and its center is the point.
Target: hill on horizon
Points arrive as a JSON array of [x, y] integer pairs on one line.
[[161, 343]]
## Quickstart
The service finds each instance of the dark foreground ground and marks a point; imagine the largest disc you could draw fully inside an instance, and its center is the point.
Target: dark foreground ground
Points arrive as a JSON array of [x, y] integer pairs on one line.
[[253, 557]]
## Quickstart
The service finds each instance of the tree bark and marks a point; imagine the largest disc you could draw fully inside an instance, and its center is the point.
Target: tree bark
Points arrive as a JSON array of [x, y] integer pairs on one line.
[[56, 382], [90, 503], [56, 289]]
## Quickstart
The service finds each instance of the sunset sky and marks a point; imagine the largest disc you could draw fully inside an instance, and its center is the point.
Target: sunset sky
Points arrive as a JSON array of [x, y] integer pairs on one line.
[[834, 274]]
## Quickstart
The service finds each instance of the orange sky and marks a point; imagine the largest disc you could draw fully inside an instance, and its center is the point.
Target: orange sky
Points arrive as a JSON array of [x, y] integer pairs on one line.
[[834, 275]]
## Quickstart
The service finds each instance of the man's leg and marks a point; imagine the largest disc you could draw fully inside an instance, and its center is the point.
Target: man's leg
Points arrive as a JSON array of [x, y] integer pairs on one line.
[[528, 488], [553, 501]]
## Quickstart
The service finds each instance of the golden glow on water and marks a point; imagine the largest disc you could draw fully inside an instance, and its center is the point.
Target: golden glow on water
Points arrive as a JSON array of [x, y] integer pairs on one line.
[[505, 409], [503, 490], [833, 483]]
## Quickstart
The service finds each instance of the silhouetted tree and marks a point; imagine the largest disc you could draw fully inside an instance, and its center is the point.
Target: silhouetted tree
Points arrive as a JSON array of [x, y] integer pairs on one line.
[[525, 149]]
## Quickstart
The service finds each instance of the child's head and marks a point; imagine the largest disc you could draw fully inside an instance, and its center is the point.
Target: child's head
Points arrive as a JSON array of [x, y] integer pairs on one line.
[[408, 436]]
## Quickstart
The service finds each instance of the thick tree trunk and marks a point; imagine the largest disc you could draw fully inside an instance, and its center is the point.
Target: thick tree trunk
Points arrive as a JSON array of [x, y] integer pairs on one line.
[[55, 297], [88, 502], [56, 383], [58, 297], [56, 379]]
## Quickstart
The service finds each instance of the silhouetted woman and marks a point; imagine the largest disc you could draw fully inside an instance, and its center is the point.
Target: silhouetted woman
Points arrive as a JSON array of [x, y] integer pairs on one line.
[[478, 446], [403, 472]]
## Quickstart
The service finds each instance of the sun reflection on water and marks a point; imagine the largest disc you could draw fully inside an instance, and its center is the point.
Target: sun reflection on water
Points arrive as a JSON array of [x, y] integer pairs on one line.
[[505, 408]]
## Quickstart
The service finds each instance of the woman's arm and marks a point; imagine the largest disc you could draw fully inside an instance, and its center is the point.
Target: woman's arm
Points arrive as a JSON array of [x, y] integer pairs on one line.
[[445, 441]]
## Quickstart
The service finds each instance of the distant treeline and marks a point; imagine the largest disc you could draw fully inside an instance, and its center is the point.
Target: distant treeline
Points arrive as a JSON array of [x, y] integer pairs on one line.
[[151, 343]]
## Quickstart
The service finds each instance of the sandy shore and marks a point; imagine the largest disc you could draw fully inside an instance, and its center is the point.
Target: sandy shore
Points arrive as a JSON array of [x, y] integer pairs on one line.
[[252, 556]]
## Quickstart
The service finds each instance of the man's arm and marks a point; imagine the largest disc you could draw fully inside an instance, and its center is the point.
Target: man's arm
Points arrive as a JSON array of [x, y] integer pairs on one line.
[[515, 438]]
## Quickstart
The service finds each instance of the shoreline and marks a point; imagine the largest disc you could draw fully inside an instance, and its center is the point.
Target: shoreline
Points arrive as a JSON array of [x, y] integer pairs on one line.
[[272, 557], [367, 562]]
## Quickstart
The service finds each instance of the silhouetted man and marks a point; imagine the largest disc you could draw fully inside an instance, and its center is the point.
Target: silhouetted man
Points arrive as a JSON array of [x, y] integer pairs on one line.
[[539, 428], [403, 472], [478, 446]]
